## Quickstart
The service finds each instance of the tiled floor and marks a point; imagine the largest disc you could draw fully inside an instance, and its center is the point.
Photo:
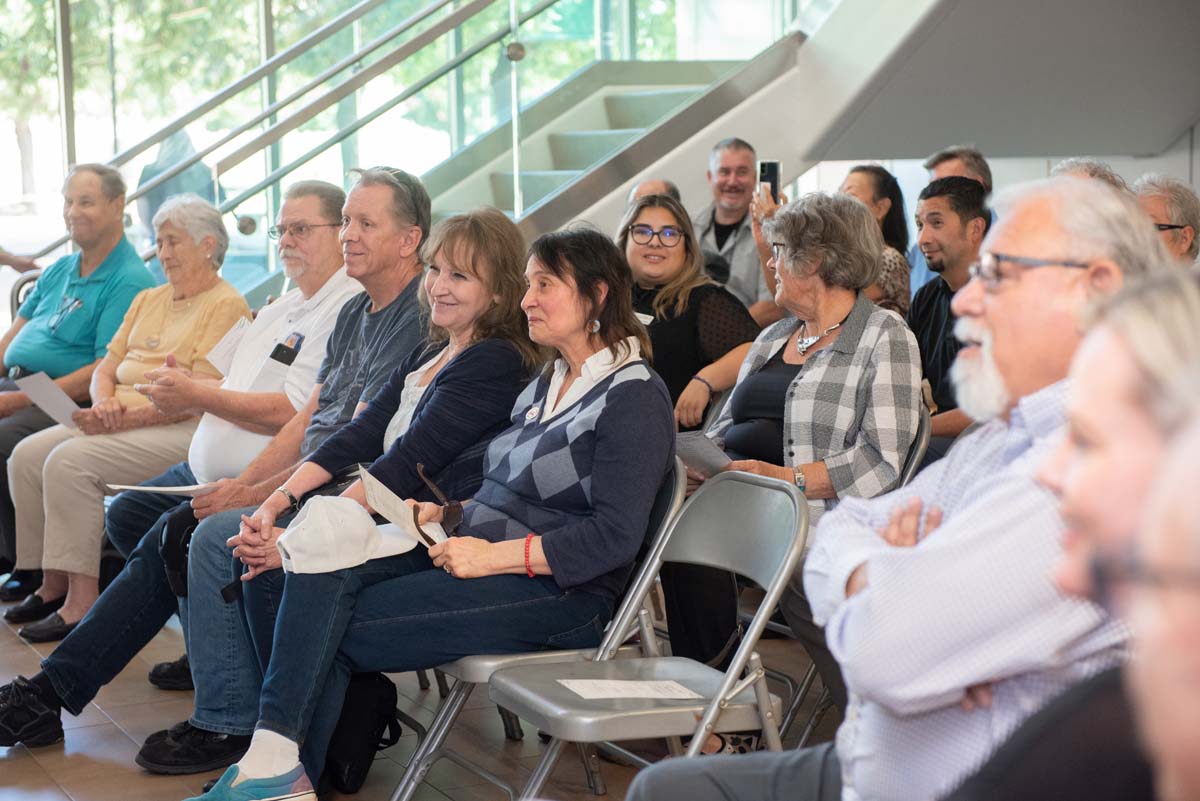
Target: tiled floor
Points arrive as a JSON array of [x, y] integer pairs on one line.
[[95, 763]]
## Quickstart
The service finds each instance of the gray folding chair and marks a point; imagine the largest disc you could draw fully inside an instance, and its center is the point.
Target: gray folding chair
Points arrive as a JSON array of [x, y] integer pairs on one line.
[[916, 451], [472, 671], [751, 525]]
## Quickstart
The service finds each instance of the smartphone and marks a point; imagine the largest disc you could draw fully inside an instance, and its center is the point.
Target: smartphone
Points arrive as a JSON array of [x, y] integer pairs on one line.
[[768, 173]]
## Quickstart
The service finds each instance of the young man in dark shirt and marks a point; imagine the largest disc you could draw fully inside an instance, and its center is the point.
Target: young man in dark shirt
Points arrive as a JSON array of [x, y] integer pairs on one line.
[[951, 223]]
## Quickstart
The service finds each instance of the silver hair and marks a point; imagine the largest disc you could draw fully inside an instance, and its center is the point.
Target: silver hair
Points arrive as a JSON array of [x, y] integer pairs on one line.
[[111, 182], [1097, 222], [1181, 200], [971, 158], [835, 230], [1158, 319], [331, 197], [199, 218], [1095, 169]]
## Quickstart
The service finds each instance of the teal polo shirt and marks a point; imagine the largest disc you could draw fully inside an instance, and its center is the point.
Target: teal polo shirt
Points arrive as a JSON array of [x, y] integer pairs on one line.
[[71, 319]]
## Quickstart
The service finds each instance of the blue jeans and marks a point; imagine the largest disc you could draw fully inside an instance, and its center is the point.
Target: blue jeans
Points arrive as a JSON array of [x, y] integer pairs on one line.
[[225, 669], [397, 614], [131, 610]]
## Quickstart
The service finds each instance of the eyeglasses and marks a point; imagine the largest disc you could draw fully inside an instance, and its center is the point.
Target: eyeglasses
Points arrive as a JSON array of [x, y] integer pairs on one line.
[[669, 236], [65, 307], [1169, 227], [1108, 571], [452, 511], [987, 269], [297, 230], [778, 249]]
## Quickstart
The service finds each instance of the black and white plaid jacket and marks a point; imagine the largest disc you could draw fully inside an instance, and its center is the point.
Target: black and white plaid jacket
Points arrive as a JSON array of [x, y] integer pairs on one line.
[[854, 405]]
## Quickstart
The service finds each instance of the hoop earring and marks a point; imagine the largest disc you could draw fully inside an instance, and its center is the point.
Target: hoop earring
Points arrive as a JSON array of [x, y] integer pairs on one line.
[[593, 327]]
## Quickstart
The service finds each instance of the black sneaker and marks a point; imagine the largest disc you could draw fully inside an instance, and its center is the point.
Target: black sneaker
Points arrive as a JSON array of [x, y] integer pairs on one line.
[[175, 675], [187, 749], [26, 718]]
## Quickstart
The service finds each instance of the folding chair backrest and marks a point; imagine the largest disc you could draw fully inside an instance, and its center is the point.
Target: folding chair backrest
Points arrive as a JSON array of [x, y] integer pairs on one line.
[[666, 507], [739, 522], [916, 451]]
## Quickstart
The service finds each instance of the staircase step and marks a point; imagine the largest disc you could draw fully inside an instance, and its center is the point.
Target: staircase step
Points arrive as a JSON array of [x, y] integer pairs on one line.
[[578, 150], [535, 185], [644, 109]]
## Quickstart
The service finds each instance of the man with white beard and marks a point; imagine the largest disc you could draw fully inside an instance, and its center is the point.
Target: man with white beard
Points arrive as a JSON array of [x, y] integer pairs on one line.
[[939, 599]]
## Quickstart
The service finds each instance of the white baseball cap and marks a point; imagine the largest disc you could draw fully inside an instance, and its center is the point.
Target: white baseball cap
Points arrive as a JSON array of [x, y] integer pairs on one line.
[[334, 533]]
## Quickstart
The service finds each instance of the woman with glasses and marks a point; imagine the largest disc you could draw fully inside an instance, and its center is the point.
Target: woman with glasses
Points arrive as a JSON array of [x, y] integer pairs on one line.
[[699, 331], [540, 553], [59, 476]]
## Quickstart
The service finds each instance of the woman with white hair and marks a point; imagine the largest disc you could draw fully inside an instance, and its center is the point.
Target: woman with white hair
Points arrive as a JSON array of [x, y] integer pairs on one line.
[[59, 476]]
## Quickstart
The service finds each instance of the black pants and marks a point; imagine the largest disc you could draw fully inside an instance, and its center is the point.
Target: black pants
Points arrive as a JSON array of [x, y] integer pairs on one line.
[[702, 612], [798, 614]]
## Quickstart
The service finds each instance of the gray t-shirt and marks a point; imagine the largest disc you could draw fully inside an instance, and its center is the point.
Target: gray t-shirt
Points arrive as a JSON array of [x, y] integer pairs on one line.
[[361, 353]]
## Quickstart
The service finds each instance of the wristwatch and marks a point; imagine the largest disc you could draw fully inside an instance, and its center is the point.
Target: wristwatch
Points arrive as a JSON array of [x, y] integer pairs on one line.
[[293, 503], [798, 477]]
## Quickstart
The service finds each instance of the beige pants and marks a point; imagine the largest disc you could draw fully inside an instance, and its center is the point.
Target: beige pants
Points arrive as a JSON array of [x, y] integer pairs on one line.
[[58, 481]]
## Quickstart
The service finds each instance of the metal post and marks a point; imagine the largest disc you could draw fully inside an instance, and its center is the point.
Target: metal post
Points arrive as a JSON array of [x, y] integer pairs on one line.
[[268, 94], [629, 29], [66, 79], [516, 51], [456, 98]]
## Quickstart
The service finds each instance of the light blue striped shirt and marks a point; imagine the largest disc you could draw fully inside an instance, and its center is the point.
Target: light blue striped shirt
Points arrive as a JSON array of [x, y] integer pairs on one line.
[[975, 602]]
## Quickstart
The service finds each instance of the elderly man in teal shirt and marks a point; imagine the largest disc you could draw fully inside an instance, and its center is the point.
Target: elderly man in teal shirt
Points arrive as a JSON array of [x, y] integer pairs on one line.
[[63, 327]]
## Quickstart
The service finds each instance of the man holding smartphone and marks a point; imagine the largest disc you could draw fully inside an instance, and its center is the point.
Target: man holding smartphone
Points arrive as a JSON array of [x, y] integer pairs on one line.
[[724, 226]]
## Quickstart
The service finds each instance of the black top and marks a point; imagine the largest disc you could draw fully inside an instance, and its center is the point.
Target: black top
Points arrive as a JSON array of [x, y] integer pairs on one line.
[[714, 323], [757, 409], [723, 232], [932, 323]]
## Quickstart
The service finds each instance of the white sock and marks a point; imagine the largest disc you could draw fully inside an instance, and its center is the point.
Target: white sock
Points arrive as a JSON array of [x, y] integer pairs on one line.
[[270, 754]]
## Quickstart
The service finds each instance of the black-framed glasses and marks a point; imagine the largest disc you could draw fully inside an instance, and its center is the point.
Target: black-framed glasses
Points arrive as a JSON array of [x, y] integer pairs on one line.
[[1169, 226], [987, 269], [668, 236], [298, 230], [1111, 570], [778, 249], [452, 511]]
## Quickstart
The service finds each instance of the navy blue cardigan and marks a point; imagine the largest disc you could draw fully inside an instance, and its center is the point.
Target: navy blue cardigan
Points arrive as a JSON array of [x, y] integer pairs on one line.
[[463, 408]]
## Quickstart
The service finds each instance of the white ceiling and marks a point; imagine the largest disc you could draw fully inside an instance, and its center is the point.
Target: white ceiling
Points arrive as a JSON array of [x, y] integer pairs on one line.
[[1045, 77]]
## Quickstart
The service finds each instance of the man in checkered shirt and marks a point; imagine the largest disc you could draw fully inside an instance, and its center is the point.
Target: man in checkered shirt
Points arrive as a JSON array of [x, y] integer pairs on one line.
[[938, 599]]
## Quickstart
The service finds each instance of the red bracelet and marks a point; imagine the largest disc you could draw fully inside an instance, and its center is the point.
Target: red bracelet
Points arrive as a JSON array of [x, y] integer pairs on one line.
[[528, 567]]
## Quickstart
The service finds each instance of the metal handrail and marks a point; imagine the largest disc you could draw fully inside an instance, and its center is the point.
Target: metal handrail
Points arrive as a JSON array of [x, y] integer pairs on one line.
[[258, 73], [362, 121], [351, 84]]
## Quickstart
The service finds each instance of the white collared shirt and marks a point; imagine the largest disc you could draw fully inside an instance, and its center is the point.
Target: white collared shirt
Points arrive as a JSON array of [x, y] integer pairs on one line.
[[597, 367], [221, 449]]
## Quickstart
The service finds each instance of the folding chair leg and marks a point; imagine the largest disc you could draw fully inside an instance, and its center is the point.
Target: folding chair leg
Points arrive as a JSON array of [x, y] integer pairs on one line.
[[545, 766], [443, 687], [591, 768], [789, 717], [512, 725], [814, 717], [762, 698], [423, 679], [428, 748]]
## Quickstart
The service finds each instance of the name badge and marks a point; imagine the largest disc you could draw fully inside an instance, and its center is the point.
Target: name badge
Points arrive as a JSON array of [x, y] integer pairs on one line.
[[645, 318], [532, 414]]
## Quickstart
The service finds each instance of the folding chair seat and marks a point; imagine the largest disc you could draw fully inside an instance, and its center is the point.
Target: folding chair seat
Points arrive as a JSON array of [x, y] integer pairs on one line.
[[753, 526], [472, 671]]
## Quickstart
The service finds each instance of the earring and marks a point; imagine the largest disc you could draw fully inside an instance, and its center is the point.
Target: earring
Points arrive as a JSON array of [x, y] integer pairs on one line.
[[593, 327]]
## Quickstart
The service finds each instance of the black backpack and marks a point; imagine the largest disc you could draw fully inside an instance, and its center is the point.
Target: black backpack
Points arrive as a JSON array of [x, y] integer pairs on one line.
[[368, 724]]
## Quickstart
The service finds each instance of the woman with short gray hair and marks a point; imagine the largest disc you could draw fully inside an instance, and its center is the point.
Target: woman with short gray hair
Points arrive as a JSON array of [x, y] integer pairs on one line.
[[58, 476], [828, 397]]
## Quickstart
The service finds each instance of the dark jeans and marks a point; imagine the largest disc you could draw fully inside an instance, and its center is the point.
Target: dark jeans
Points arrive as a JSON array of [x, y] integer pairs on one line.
[[132, 514], [811, 774], [130, 611], [395, 614], [13, 429]]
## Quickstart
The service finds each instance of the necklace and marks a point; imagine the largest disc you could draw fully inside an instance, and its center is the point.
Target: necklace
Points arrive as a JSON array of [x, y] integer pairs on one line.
[[804, 343]]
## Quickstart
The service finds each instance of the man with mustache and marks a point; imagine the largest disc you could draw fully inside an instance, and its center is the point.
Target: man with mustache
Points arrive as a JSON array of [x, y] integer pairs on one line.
[[940, 597], [951, 223]]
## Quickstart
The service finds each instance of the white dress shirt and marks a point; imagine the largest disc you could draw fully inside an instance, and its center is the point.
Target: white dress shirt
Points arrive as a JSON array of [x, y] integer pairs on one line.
[[597, 367], [973, 602]]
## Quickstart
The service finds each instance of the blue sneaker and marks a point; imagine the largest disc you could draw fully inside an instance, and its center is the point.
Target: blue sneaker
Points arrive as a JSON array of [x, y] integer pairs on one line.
[[292, 786]]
